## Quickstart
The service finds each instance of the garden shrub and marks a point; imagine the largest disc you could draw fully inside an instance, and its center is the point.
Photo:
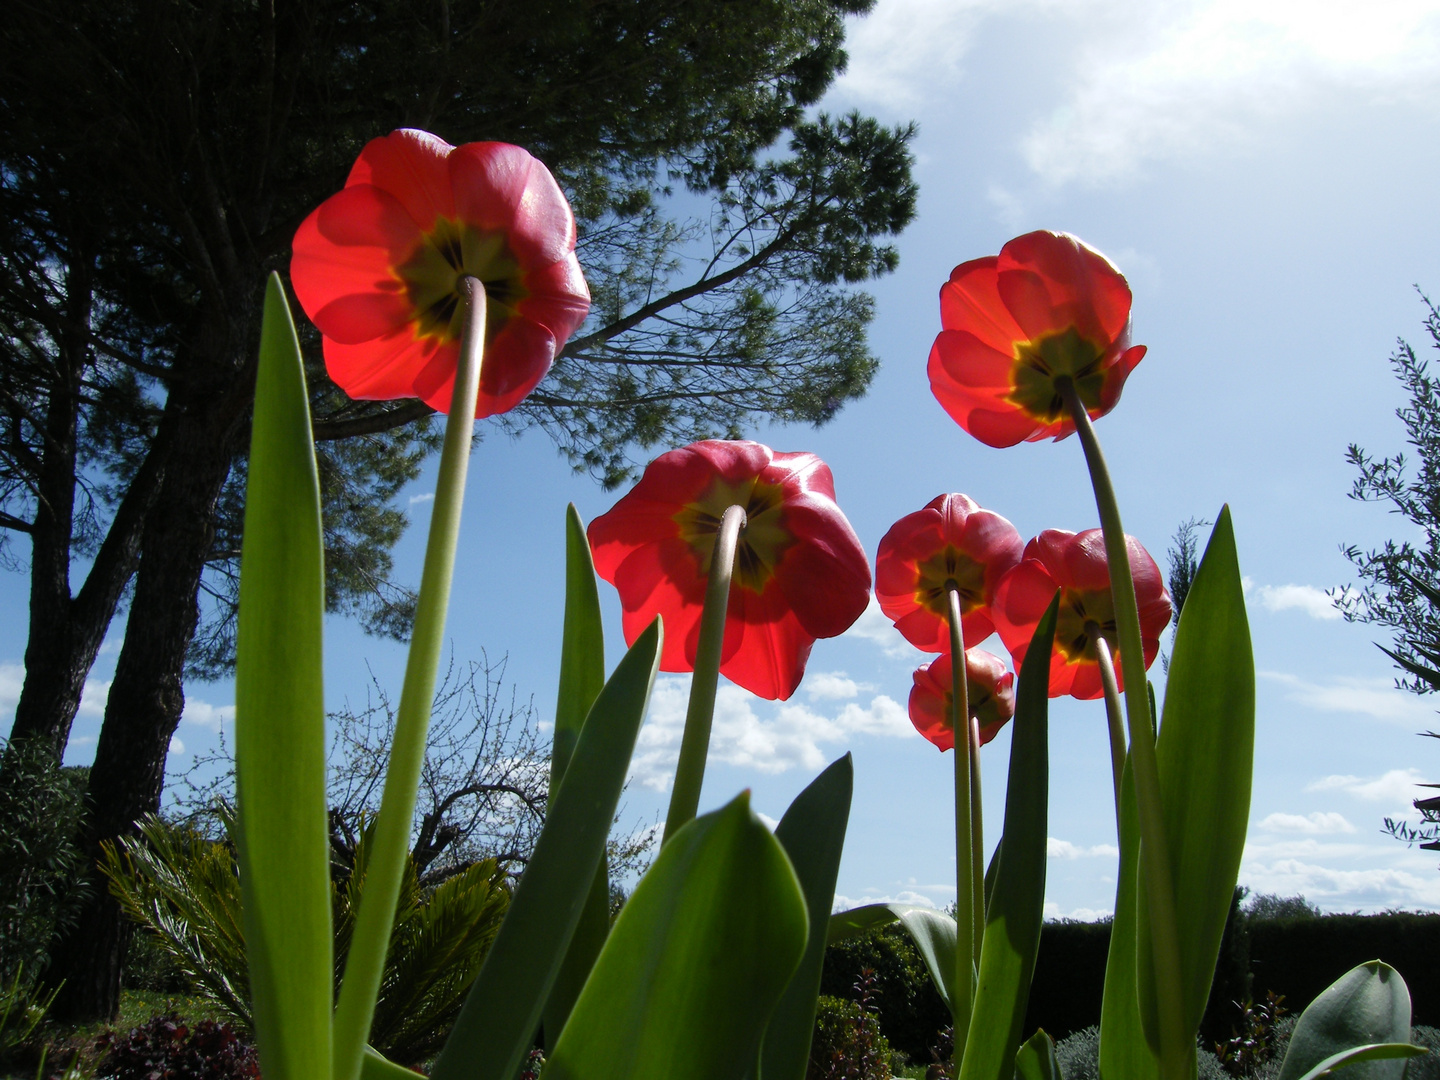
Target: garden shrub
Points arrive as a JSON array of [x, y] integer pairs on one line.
[[910, 1010], [40, 810], [1079, 1058], [169, 1048], [848, 1044]]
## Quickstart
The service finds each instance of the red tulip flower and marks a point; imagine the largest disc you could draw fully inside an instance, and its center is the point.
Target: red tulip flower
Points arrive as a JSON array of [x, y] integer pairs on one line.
[[991, 690], [1046, 307], [800, 573], [378, 265], [950, 540], [1075, 564]]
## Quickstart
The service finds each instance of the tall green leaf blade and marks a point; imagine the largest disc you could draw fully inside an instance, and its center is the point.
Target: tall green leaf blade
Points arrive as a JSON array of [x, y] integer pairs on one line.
[[1125, 1053], [1204, 754], [698, 958], [504, 1006], [1369, 1004], [582, 674], [813, 835], [280, 719], [1017, 899]]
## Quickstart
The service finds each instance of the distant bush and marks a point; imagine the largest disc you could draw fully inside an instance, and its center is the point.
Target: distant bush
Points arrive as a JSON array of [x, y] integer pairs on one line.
[[40, 810], [848, 1044], [169, 1048], [1270, 906], [910, 1010]]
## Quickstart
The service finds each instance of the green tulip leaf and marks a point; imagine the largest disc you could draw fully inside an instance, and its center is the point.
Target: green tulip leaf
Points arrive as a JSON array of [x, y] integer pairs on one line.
[[1368, 1005], [503, 1008], [1017, 899], [1373, 1052], [1036, 1059], [375, 1066], [582, 674], [280, 719], [1204, 754], [933, 933], [1125, 1054], [695, 963], [812, 833]]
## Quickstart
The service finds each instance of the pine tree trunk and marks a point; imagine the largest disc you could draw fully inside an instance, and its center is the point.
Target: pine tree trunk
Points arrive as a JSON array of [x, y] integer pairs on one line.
[[147, 695]]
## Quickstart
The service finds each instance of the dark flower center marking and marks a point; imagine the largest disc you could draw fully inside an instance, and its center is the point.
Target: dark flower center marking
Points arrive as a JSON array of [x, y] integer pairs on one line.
[[763, 540], [1084, 617], [451, 251], [947, 567], [1039, 363]]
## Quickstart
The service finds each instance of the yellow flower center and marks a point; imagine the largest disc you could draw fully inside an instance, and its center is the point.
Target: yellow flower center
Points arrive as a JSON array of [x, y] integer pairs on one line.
[[450, 251], [939, 571], [763, 540], [1084, 617], [1040, 362]]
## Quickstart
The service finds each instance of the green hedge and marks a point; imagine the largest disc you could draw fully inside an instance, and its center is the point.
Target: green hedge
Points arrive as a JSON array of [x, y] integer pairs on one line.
[[1297, 957]]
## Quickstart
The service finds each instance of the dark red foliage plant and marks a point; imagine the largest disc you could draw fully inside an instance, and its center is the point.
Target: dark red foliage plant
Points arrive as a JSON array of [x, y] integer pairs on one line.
[[169, 1048]]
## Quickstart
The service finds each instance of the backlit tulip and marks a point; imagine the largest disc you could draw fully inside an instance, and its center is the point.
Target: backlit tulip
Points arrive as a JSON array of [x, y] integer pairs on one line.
[[800, 572], [378, 265], [1047, 308], [951, 540], [991, 690], [1075, 564]]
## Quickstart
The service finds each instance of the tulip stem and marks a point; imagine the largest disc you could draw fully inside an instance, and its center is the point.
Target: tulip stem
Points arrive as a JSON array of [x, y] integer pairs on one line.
[[391, 843], [695, 743], [1176, 1044], [977, 839], [968, 922], [1112, 713]]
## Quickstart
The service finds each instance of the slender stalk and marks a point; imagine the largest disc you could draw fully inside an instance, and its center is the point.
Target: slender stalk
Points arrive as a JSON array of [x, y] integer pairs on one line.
[[695, 743], [1112, 711], [966, 943], [977, 839], [381, 888], [1159, 886]]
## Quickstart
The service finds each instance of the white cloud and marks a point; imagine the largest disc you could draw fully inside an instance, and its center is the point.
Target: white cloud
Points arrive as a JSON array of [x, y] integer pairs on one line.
[[904, 896], [12, 677], [790, 737], [874, 626], [1064, 849], [1377, 698], [1344, 890], [1397, 787], [203, 714], [428, 496], [1319, 823], [176, 745], [1307, 598], [93, 698], [1080, 914], [1188, 77], [770, 822], [832, 686]]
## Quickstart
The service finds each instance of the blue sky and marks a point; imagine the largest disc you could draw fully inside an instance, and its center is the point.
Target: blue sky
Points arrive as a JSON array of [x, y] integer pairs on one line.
[[1263, 172]]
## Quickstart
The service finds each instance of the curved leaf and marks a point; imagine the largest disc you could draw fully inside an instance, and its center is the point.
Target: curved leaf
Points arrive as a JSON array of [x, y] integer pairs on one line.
[[1036, 1059], [696, 961], [1373, 1052], [933, 933], [1367, 1005]]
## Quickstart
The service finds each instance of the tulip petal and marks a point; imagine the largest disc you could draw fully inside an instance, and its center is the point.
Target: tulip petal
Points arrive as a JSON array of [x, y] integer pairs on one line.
[[1050, 281], [411, 166]]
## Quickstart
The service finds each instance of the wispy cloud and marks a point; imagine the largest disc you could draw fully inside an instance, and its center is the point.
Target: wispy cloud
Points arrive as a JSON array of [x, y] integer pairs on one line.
[[428, 496], [203, 714], [1079, 914], [790, 735], [1319, 823], [1064, 849], [913, 895], [1306, 598], [1342, 890], [1397, 787], [875, 627], [1377, 698], [832, 686]]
